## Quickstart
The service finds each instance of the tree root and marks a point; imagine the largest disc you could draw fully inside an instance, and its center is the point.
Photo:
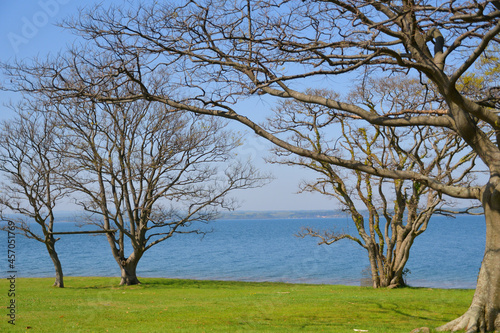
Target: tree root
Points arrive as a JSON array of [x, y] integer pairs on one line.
[[472, 321], [465, 322]]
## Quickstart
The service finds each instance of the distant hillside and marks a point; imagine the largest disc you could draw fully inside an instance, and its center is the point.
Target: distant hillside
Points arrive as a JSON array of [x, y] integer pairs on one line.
[[285, 214], [307, 214], [263, 215]]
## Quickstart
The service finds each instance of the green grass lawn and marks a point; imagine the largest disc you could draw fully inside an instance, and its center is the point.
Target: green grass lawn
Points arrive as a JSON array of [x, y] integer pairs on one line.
[[164, 305]]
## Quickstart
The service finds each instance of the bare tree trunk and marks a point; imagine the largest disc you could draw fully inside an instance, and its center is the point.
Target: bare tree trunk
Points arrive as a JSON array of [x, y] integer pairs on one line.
[[384, 273], [50, 244], [128, 270], [484, 313], [372, 256], [390, 276], [394, 277], [399, 260]]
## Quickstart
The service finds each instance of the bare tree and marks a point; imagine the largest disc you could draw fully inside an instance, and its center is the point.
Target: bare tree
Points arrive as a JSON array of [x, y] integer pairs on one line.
[[145, 172], [222, 51], [397, 210], [31, 165]]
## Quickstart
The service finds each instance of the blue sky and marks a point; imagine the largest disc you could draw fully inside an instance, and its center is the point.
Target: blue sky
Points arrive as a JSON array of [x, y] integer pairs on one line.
[[29, 30]]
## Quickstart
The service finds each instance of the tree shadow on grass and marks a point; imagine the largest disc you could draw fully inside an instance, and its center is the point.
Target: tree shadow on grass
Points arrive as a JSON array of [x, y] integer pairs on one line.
[[193, 283], [161, 283], [397, 310]]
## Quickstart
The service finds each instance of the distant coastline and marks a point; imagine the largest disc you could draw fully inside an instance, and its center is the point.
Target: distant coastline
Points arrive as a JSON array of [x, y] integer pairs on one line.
[[65, 215], [307, 214], [282, 214], [264, 215]]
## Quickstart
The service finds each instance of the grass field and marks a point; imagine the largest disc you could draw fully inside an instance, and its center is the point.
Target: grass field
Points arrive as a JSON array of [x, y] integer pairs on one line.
[[89, 304]]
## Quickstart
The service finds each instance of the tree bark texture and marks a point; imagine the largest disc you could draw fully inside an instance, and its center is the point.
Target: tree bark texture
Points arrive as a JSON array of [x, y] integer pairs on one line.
[[128, 269], [484, 313], [388, 271], [50, 244]]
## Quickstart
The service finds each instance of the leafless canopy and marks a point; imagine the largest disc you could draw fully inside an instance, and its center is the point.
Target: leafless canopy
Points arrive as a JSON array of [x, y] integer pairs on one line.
[[147, 170], [30, 165], [216, 52], [388, 214]]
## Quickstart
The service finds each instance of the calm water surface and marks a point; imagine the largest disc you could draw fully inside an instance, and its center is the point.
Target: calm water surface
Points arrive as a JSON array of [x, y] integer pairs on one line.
[[447, 255]]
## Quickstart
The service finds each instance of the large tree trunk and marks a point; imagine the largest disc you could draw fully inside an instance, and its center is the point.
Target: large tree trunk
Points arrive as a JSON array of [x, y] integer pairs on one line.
[[484, 313], [50, 244], [385, 273], [395, 269], [128, 265], [128, 270], [393, 277]]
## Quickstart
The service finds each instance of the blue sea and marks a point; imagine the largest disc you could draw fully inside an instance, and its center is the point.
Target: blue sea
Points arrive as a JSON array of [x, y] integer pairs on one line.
[[447, 255]]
